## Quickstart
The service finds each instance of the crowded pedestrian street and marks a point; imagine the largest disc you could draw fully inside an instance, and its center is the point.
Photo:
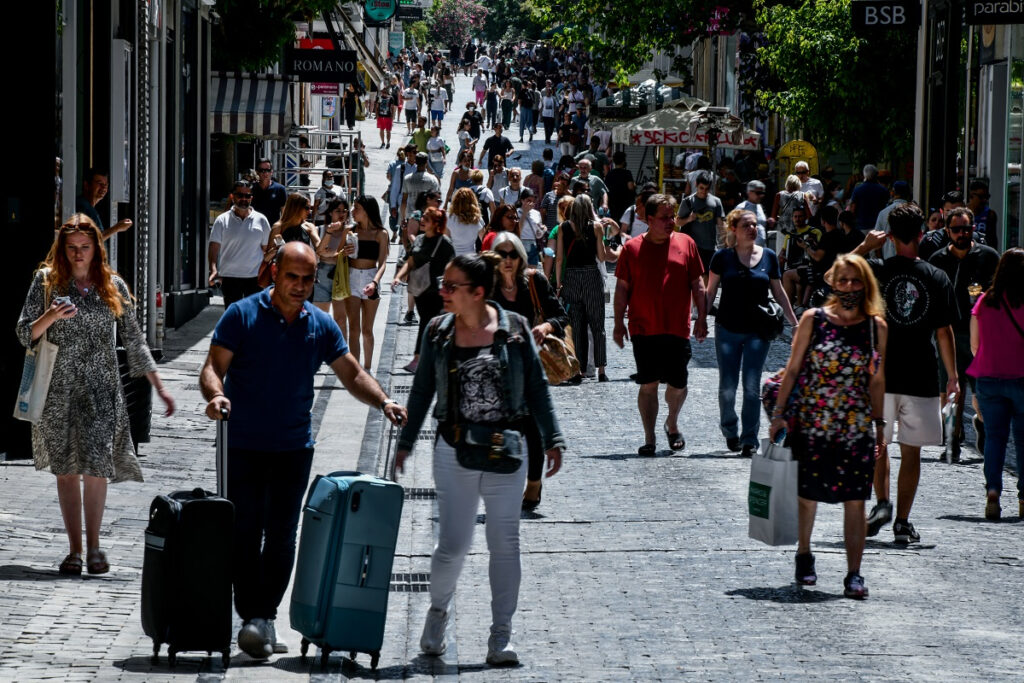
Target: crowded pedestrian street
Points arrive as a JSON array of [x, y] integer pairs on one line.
[[635, 566]]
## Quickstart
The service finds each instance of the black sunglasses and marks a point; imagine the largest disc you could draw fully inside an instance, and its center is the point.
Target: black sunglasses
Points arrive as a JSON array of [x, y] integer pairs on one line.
[[506, 254], [957, 229], [265, 170]]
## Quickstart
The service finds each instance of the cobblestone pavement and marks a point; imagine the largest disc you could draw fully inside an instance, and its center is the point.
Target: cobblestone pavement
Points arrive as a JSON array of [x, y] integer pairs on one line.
[[633, 568]]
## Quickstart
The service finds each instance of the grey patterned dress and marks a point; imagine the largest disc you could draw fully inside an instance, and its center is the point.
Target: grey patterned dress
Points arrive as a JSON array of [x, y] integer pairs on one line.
[[84, 428]]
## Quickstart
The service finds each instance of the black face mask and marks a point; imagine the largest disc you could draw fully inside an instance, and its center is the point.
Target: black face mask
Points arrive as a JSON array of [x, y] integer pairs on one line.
[[850, 300]]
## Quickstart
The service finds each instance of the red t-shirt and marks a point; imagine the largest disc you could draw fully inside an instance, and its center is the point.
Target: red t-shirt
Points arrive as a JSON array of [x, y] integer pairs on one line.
[[659, 277]]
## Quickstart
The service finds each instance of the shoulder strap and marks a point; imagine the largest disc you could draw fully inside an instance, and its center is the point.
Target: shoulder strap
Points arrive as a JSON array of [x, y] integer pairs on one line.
[[1013, 320], [538, 310]]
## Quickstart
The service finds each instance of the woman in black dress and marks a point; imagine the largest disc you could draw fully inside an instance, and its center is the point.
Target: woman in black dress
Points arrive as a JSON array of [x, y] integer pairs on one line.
[[512, 291], [350, 101]]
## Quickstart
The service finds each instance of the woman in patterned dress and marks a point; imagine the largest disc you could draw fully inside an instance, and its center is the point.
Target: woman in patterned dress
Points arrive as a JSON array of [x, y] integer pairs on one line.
[[836, 371], [78, 302]]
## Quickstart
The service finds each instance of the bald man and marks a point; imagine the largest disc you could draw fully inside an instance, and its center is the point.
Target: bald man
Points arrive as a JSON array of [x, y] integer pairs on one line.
[[264, 354]]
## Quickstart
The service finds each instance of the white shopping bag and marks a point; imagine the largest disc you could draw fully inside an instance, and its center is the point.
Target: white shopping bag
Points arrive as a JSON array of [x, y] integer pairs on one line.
[[35, 380], [771, 499]]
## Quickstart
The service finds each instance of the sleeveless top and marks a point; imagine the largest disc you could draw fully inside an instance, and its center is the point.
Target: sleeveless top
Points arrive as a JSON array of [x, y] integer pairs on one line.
[[296, 233]]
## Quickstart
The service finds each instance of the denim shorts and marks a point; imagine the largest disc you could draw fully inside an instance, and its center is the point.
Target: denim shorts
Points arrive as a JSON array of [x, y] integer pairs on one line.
[[324, 282]]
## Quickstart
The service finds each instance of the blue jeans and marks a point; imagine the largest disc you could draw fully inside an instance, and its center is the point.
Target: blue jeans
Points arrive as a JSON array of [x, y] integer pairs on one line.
[[1002, 404], [525, 121], [736, 351], [267, 489]]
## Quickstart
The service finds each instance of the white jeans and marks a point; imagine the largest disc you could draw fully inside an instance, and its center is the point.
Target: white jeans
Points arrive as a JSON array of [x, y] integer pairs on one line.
[[458, 499]]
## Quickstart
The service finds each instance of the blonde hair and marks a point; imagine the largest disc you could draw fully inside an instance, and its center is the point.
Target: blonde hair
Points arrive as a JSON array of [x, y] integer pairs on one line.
[[793, 183], [476, 176], [563, 206], [872, 304], [465, 206], [731, 223]]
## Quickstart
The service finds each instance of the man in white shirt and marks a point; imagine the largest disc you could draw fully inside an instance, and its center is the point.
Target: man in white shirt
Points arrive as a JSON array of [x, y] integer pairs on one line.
[[755, 194], [411, 104], [238, 241], [811, 186]]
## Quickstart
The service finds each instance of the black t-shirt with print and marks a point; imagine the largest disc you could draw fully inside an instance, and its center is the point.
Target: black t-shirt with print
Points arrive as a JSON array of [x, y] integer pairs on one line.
[[977, 267], [918, 300]]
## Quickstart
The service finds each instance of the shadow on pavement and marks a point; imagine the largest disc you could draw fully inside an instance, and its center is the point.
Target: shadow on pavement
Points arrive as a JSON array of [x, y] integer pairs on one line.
[[186, 663], [874, 544], [19, 572], [968, 518], [784, 594]]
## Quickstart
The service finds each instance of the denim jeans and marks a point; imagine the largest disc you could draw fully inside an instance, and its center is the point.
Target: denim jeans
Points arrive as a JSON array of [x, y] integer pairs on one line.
[[735, 352], [1002, 404], [459, 491], [267, 489], [525, 121]]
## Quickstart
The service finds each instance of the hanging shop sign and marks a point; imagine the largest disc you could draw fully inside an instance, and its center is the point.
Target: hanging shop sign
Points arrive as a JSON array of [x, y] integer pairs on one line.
[[378, 12], [989, 13], [886, 14], [321, 66]]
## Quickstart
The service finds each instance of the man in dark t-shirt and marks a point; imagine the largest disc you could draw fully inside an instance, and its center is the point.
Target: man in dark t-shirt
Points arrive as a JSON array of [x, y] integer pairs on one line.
[[495, 145], [621, 187], [868, 199], [268, 195], [918, 303]]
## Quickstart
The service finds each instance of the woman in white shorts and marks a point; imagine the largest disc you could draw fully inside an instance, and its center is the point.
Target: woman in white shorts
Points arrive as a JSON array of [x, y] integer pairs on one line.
[[367, 258], [335, 231]]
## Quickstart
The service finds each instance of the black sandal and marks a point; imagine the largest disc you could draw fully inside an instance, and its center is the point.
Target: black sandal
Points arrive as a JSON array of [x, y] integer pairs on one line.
[[647, 449], [675, 440], [72, 565]]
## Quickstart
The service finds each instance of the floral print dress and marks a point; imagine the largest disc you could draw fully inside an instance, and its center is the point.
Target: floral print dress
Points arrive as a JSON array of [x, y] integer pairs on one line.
[[834, 439], [84, 428]]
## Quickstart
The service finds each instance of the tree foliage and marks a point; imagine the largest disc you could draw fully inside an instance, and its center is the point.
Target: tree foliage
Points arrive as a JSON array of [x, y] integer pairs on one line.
[[623, 36], [850, 93], [418, 32], [513, 20], [456, 21], [252, 33]]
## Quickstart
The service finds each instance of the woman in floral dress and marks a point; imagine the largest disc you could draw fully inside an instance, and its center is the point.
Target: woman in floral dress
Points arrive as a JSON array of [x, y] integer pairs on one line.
[[78, 302], [836, 369]]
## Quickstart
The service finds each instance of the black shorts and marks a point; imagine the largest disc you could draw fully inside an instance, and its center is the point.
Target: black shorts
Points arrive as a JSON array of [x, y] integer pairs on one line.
[[662, 358], [705, 258]]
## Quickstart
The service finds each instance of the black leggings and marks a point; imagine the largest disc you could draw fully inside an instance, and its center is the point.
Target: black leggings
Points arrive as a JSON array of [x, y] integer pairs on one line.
[[428, 305]]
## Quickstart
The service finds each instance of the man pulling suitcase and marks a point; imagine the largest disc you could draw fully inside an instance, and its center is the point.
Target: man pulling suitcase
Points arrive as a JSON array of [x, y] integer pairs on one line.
[[264, 354]]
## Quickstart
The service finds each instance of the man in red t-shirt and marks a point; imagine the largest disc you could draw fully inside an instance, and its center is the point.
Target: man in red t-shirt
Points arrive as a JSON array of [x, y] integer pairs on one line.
[[657, 274]]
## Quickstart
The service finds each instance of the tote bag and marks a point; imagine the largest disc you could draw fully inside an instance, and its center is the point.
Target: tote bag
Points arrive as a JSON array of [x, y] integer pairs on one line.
[[771, 499], [35, 381]]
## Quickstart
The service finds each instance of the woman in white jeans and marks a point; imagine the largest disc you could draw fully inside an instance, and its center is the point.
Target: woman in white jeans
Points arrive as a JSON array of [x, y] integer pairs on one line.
[[480, 362]]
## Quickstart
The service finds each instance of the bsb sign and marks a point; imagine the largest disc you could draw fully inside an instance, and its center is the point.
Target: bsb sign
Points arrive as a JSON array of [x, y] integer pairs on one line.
[[886, 14], [987, 13], [321, 66]]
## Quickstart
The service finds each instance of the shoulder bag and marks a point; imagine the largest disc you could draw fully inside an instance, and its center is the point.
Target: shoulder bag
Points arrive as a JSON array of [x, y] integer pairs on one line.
[[35, 380], [1009, 312], [419, 278], [557, 355], [484, 447]]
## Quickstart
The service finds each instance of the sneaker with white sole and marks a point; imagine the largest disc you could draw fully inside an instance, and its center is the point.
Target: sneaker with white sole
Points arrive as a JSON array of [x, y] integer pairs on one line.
[[432, 641], [499, 647], [881, 514], [276, 645], [252, 639], [904, 532], [854, 588]]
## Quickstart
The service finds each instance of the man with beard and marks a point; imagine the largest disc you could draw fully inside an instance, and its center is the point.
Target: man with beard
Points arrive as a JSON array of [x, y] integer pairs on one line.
[[971, 267]]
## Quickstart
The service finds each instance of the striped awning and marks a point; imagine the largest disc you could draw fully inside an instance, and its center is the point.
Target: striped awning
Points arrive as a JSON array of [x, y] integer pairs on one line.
[[250, 104]]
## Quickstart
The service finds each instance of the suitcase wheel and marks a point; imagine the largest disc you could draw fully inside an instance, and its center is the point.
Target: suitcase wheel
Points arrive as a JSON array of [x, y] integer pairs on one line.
[[352, 655], [172, 658], [325, 655], [374, 659], [225, 658], [155, 659], [304, 648]]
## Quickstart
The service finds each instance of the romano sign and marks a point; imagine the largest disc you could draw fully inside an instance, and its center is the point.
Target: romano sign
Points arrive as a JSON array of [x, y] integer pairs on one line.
[[986, 13], [321, 66]]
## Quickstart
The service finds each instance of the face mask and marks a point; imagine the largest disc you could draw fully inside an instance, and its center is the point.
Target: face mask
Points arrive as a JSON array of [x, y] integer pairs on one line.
[[465, 167], [850, 300], [328, 183]]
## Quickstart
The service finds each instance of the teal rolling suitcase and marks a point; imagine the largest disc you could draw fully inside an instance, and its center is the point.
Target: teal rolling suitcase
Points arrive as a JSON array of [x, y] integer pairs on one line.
[[343, 573]]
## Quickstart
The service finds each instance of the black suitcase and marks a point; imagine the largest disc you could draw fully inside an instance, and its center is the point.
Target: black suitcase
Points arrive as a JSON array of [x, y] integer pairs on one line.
[[186, 572]]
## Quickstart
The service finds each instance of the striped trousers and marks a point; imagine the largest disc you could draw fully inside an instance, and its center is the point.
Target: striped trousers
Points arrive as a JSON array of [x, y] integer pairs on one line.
[[583, 296]]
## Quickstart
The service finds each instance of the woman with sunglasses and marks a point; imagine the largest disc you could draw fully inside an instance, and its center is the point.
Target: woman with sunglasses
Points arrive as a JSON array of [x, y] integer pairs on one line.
[[79, 303], [500, 385], [294, 224], [367, 259], [431, 247], [329, 253], [512, 291], [504, 219]]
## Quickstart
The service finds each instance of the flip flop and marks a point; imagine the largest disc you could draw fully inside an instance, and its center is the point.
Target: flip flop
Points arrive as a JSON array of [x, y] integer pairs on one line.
[[675, 440], [647, 449], [97, 561], [72, 565]]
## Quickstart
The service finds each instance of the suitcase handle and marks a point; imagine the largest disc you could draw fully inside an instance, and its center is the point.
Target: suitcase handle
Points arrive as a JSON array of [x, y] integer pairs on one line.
[[221, 440]]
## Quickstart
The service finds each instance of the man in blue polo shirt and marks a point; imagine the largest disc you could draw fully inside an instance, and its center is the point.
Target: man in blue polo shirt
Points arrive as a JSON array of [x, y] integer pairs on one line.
[[265, 352]]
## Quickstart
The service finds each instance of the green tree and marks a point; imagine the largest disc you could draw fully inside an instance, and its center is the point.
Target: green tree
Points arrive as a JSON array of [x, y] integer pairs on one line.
[[418, 32], [456, 21], [513, 20], [848, 92], [252, 33]]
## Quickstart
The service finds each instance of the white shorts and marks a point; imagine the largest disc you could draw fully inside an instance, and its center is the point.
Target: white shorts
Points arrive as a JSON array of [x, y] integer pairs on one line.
[[358, 278], [920, 419]]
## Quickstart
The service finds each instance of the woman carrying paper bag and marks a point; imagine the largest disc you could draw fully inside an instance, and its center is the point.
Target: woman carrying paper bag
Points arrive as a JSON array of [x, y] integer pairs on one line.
[[836, 370]]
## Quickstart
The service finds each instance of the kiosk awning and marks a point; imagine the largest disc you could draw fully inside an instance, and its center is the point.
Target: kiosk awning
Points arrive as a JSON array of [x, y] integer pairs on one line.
[[250, 104]]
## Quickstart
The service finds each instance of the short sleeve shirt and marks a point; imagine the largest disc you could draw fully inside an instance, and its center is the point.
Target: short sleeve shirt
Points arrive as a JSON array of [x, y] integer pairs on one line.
[[743, 288], [704, 229], [415, 184], [978, 268], [270, 201], [659, 277], [918, 300], [241, 243], [270, 379]]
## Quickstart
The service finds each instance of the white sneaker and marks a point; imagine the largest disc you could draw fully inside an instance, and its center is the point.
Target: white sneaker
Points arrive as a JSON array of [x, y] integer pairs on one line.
[[432, 642], [252, 639], [499, 647], [277, 646]]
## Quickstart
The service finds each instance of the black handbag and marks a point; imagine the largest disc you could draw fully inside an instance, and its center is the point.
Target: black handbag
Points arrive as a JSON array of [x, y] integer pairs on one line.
[[770, 320], [484, 447]]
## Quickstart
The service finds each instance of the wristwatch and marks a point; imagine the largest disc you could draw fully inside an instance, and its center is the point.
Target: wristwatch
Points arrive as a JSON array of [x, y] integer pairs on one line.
[[386, 401], [879, 422]]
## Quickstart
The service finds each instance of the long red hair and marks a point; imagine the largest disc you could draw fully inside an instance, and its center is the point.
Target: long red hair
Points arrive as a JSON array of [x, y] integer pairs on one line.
[[58, 279]]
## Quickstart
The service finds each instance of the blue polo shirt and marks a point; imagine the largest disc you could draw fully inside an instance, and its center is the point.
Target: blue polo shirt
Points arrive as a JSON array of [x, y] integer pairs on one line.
[[270, 379]]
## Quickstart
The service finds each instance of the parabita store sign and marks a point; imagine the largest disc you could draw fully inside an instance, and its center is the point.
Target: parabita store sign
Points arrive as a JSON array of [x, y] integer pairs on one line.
[[987, 13], [321, 66]]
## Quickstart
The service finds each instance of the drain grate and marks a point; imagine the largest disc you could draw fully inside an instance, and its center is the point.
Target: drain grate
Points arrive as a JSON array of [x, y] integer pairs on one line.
[[410, 583], [401, 389], [420, 494], [427, 435]]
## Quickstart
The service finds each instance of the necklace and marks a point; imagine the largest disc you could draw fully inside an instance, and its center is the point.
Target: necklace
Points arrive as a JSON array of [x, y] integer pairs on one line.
[[85, 287]]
